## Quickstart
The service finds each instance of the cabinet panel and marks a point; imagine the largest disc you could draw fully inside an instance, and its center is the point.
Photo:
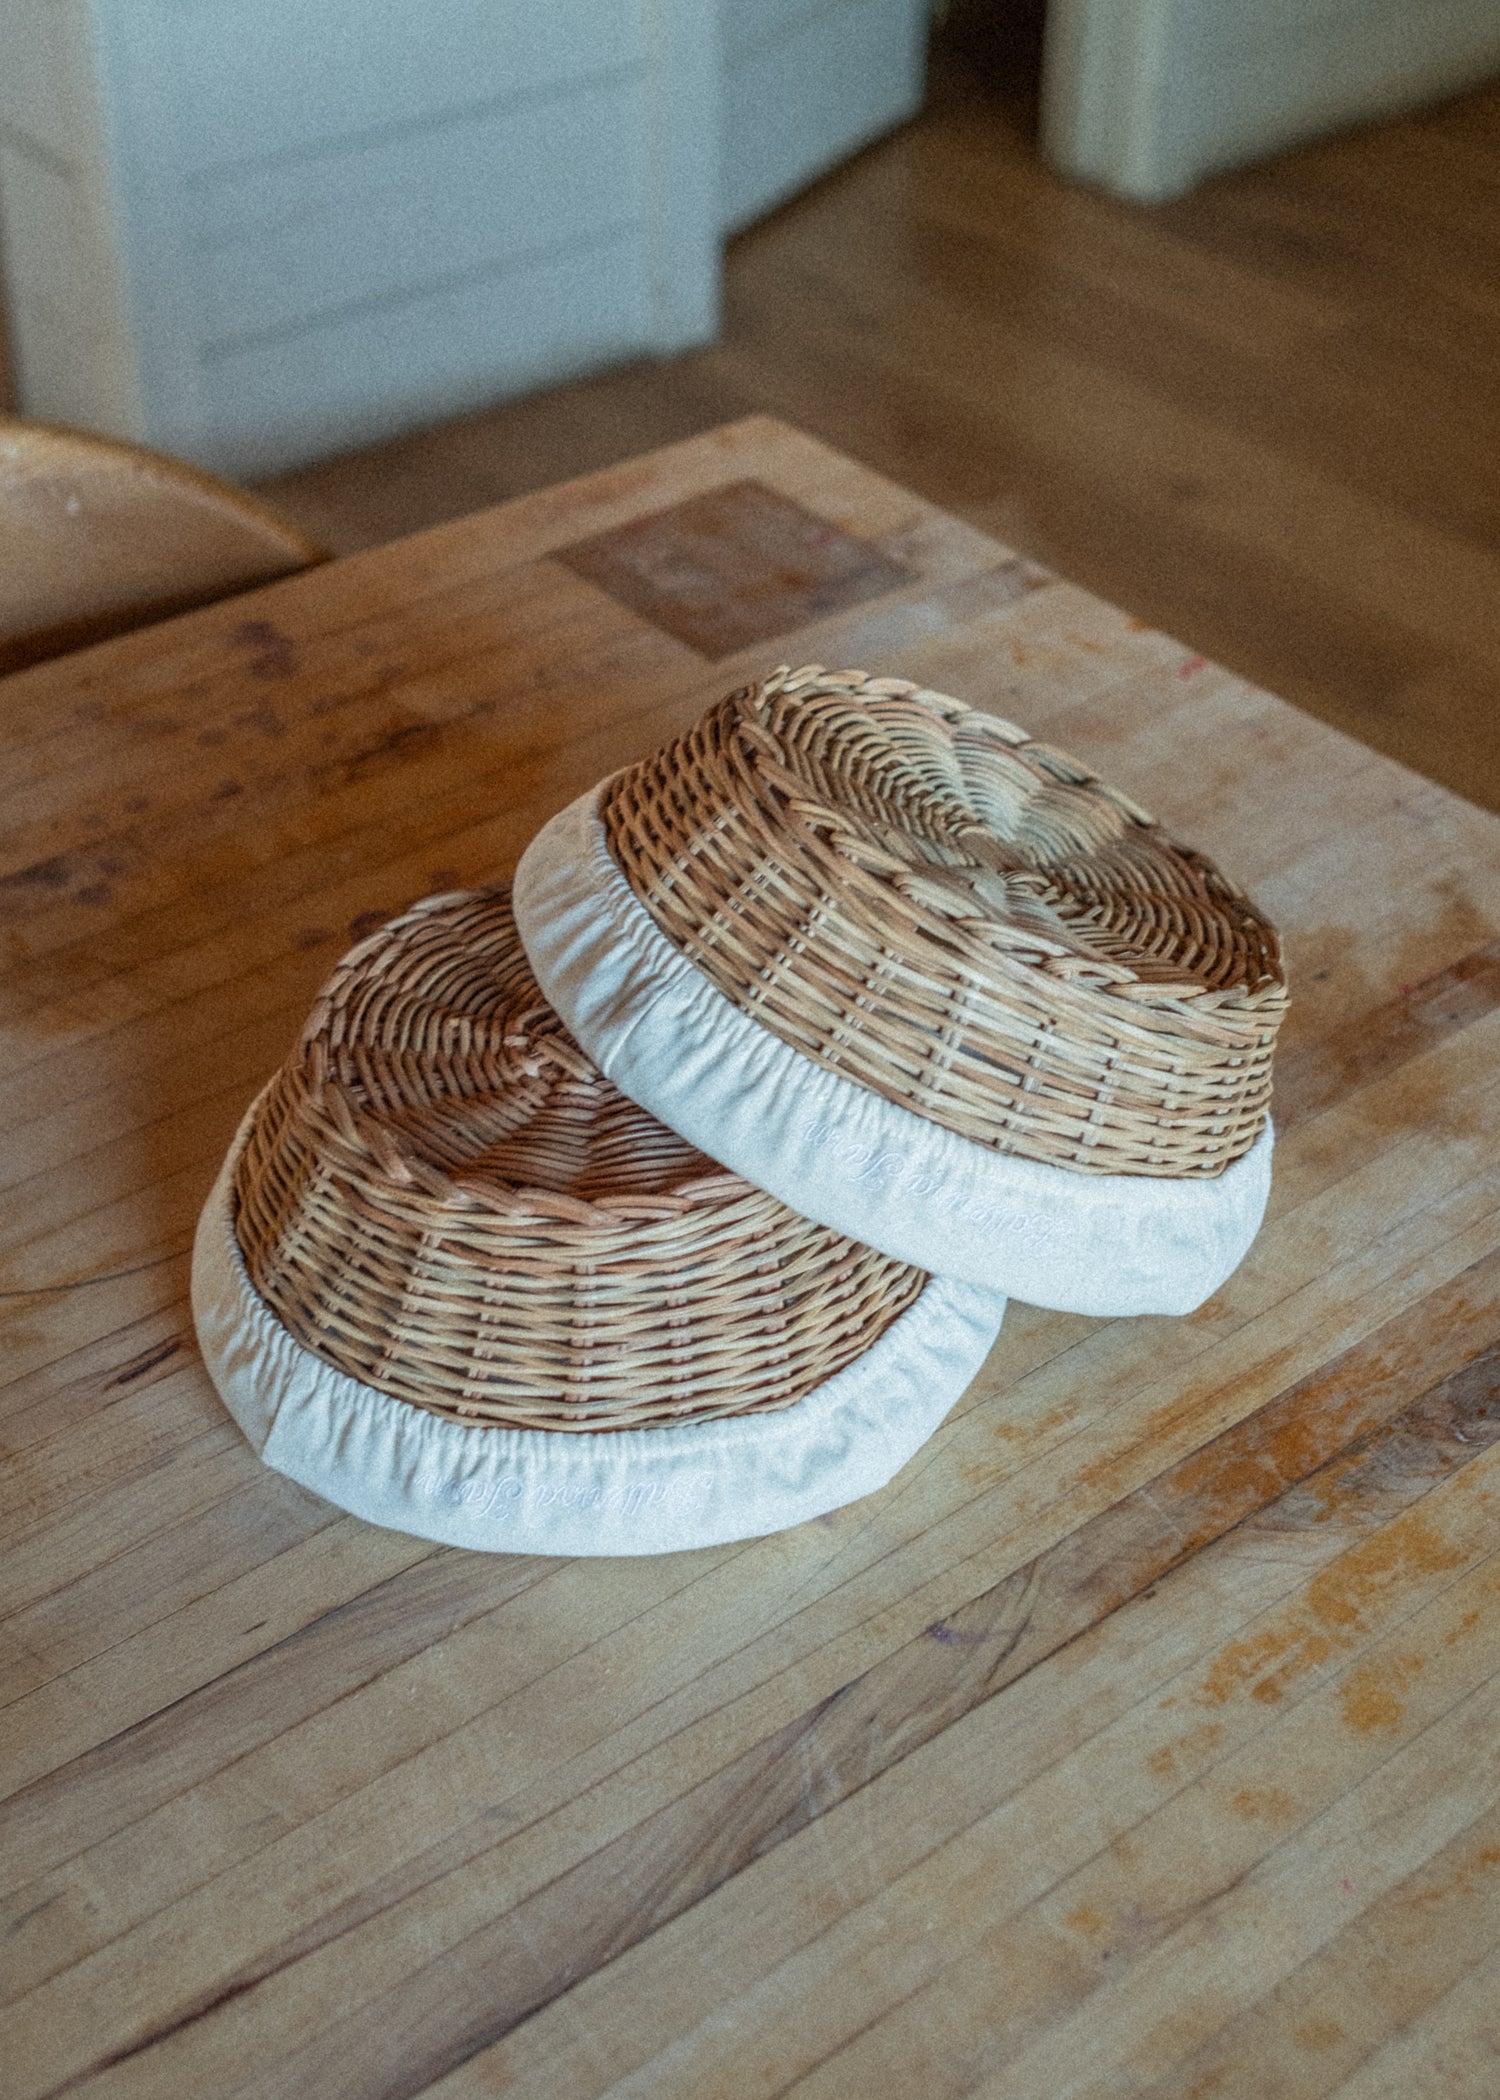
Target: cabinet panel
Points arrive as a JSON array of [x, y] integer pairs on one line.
[[371, 374], [257, 78], [281, 245]]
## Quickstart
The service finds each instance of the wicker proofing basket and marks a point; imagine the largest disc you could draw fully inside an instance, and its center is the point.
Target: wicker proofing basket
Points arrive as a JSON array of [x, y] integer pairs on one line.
[[919, 896], [442, 1198]]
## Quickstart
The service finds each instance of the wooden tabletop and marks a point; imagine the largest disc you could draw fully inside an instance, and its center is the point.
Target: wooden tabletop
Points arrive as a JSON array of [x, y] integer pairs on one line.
[[1141, 1738]]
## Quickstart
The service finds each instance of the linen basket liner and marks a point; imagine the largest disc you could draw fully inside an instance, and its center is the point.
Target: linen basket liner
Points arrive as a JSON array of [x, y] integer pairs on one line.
[[621, 1491]]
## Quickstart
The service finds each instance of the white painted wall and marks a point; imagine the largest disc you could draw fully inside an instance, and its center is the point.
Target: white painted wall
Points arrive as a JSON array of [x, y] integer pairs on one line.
[[1145, 97]]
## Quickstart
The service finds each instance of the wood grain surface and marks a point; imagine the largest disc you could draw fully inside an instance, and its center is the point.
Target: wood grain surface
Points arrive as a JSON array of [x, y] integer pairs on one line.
[[1143, 1737]]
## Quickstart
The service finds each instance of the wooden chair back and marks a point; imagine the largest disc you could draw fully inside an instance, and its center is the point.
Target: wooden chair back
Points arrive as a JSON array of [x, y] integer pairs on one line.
[[98, 536]]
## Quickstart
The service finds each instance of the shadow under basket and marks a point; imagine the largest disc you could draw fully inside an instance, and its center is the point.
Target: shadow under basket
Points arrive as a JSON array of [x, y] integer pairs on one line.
[[917, 935], [454, 1280]]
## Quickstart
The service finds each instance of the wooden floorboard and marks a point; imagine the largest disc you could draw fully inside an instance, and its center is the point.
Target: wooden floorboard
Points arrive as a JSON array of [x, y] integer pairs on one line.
[[1266, 417]]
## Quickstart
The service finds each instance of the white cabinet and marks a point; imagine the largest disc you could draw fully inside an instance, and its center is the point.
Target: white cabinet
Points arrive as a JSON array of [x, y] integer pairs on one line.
[[254, 231], [807, 82]]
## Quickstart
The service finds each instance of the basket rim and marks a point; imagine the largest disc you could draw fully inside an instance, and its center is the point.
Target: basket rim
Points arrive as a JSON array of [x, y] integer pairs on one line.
[[379, 1456]]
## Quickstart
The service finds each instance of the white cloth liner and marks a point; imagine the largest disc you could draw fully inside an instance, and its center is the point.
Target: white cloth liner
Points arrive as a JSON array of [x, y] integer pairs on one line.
[[1105, 1244], [535, 1491]]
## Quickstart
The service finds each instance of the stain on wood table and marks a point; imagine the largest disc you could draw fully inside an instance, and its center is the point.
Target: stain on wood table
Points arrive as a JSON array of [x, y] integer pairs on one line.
[[1142, 1737], [738, 565]]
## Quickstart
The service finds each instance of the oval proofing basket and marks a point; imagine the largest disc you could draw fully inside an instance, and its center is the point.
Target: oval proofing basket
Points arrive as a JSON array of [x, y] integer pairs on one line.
[[930, 980], [455, 1281]]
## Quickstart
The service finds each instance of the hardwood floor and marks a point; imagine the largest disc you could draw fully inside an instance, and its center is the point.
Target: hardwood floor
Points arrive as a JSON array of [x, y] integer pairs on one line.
[[1265, 418]]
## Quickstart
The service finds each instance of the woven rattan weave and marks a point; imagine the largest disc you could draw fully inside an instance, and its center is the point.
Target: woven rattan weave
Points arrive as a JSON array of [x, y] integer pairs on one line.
[[917, 895], [443, 1198]]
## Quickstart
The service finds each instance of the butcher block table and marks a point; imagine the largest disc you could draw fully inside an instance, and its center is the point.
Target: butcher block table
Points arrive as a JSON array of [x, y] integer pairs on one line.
[[1142, 1737]]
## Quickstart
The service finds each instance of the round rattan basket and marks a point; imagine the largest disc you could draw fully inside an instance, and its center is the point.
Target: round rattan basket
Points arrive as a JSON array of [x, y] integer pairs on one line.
[[442, 1197], [453, 1280], [929, 981], [918, 895]]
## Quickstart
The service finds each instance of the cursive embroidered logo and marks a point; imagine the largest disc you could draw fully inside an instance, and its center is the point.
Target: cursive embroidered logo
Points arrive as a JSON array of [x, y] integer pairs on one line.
[[491, 1498], [893, 1171]]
